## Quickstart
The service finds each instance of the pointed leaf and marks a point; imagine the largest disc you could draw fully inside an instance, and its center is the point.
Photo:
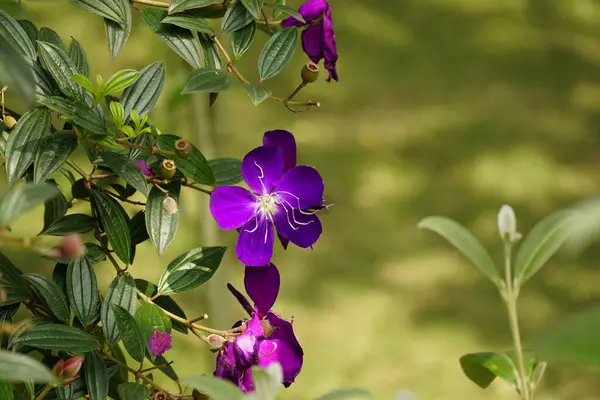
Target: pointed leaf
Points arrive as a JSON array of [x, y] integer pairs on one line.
[[78, 113], [195, 167], [144, 93], [182, 5], [207, 80], [126, 168], [483, 368], [82, 289], [242, 39], [15, 367], [189, 21], [62, 68], [133, 391], [15, 36], [117, 34], [44, 84], [14, 285], [214, 388], [130, 333], [164, 302], [151, 317], [54, 208], [96, 376], [161, 226], [6, 390], [292, 12], [115, 224], [49, 36], [236, 18], [277, 53], [71, 224], [57, 337], [30, 29], [122, 293], [120, 80], [16, 72], [228, 171], [461, 238], [190, 270], [52, 154], [77, 54], [23, 198], [52, 295], [257, 94], [24, 141], [254, 7], [137, 228], [105, 8]]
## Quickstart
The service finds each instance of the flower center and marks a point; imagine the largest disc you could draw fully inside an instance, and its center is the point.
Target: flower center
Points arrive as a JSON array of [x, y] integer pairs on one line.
[[267, 204]]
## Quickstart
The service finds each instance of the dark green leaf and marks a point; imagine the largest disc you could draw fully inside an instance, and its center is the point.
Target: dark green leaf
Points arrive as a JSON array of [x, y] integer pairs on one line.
[[77, 54], [16, 72], [214, 388], [49, 36], [144, 93], [54, 150], [227, 171], [70, 224], [77, 390], [189, 21], [195, 168], [211, 52], [78, 113], [483, 368], [292, 12], [52, 294], [160, 225], [23, 198], [207, 80], [277, 53], [15, 367], [133, 391], [59, 276], [24, 141], [54, 208], [122, 293], [254, 7], [182, 5], [151, 317], [65, 392], [190, 270], [118, 34], [15, 36], [94, 253], [464, 241], [82, 289], [180, 40], [346, 393], [126, 168], [164, 302], [96, 376], [57, 337], [30, 29], [115, 224], [120, 80], [137, 228], [242, 39], [130, 333], [56, 61], [14, 285], [145, 139], [236, 18], [257, 94], [105, 8], [8, 312], [44, 84], [6, 390]]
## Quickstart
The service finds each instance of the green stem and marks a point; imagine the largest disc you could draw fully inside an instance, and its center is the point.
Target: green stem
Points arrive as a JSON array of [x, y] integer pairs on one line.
[[44, 392], [513, 317]]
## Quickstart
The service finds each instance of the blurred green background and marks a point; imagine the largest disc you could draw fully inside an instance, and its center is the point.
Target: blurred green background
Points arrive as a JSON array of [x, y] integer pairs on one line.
[[449, 107]]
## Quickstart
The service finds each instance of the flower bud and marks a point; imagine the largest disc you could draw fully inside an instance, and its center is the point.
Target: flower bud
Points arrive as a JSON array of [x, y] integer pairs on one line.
[[167, 169], [507, 224], [72, 366], [79, 190], [170, 206], [9, 122], [183, 148], [216, 341], [310, 72], [71, 247]]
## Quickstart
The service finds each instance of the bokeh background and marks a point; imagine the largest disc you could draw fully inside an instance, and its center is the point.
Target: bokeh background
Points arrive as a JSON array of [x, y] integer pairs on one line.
[[448, 107]]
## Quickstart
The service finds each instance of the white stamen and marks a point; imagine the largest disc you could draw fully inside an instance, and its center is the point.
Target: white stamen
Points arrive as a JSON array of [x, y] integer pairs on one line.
[[260, 178], [299, 208]]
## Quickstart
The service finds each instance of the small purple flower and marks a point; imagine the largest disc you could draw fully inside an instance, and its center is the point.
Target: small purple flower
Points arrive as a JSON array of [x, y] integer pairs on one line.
[[146, 170], [266, 337], [159, 342], [278, 201], [318, 39]]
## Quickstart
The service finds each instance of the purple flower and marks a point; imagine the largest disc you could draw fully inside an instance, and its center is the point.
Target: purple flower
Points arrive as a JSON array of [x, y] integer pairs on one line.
[[159, 342], [278, 201], [266, 337], [318, 39], [146, 170]]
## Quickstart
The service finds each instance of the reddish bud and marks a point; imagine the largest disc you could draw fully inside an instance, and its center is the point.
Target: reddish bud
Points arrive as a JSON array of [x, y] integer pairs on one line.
[[72, 366], [71, 247]]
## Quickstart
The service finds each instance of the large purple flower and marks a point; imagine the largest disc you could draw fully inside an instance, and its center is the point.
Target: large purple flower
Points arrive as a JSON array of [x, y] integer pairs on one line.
[[266, 337], [281, 195], [318, 39]]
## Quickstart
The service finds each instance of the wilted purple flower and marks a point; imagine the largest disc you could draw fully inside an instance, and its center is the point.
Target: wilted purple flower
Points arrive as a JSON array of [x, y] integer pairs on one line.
[[266, 337], [146, 170], [318, 39], [159, 342], [279, 201]]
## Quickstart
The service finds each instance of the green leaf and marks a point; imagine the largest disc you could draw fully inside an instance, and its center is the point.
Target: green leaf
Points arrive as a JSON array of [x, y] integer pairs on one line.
[[189, 21], [52, 154], [540, 244], [105, 8], [15, 367], [207, 80], [17, 72], [292, 12], [122, 293], [84, 82], [23, 198], [77, 54], [346, 393], [15, 286], [277, 53], [137, 228], [464, 241], [117, 34], [94, 253], [24, 141], [57, 337], [62, 68], [15, 36], [82, 289], [151, 317], [133, 391], [6, 391], [120, 80], [242, 39], [236, 18], [144, 93], [182, 5], [214, 388], [190, 270], [118, 113], [49, 36], [211, 52], [54, 208], [164, 302], [257, 94], [195, 167], [254, 7], [161, 226], [180, 40], [227, 171], [126, 168], [130, 333], [78, 113], [267, 381], [65, 392], [44, 84], [52, 295], [483, 368], [96, 376], [70, 224], [30, 29], [115, 224]]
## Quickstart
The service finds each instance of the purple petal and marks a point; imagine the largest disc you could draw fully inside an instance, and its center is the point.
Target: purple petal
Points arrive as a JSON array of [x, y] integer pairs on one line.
[[159, 342], [262, 168], [246, 342], [286, 142], [241, 299], [226, 363], [245, 381], [281, 346], [254, 246], [299, 227], [262, 285], [284, 242], [313, 9], [146, 170], [231, 206], [313, 42], [301, 187], [330, 48]]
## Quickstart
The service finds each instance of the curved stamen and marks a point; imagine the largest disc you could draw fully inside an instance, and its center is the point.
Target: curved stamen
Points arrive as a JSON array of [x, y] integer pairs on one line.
[[260, 178], [267, 354], [256, 227], [287, 216], [297, 200], [291, 210]]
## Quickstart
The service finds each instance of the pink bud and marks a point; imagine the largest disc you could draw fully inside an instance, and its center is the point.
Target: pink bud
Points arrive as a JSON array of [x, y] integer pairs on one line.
[[71, 247], [72, 366], [216, 341]]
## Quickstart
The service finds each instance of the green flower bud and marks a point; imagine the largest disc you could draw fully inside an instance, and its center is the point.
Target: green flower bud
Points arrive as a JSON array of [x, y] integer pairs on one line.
[[183, 148], [167, 169], [310, 72]]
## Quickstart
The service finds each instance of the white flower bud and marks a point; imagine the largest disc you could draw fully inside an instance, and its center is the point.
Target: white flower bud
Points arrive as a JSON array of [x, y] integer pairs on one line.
[[170, 206], [507, 224], [216, 341]]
